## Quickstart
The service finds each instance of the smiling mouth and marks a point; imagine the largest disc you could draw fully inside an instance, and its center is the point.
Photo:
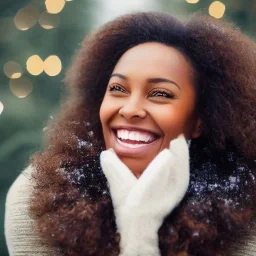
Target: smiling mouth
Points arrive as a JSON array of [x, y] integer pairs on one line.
[[135, 143], [132, 144]]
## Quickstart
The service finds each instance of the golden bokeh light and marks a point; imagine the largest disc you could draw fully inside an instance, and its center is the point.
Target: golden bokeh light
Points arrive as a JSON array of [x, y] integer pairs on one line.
[[54, 6], [26, 18], [48, 20], [217, 9], [52, 65], [35, 65], [192, 1], [1, 107], [12, 69], [21, 87]]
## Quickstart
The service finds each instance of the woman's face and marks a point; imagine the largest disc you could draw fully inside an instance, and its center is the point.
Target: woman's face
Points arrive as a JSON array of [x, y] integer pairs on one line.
[[150, 99]]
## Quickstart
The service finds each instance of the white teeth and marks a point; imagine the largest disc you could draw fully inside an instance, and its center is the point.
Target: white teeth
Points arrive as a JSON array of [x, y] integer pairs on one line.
[[125, 134], [131, 145], [135, 135], [131, 136]]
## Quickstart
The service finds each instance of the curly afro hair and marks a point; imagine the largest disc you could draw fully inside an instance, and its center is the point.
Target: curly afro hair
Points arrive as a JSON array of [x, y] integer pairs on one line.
[[75, 212]]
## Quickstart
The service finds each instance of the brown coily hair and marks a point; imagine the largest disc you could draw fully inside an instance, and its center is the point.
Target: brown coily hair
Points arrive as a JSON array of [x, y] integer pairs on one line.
[[71, 202]]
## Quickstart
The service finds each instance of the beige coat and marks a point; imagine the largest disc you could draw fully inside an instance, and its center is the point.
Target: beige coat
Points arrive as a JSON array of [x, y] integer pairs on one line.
[[22, 241]]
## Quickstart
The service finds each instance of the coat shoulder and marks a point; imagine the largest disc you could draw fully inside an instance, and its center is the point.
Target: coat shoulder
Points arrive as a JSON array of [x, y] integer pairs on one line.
[[20, 236]]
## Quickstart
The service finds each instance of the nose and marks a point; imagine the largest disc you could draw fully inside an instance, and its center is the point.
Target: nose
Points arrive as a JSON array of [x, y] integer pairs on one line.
[[133, 107]]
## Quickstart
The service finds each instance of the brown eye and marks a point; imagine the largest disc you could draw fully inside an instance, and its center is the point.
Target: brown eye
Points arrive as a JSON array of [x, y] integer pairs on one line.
[[160, 93], [116, 88]]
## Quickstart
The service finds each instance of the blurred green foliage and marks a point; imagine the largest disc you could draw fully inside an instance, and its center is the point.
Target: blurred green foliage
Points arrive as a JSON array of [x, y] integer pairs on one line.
[[23, 119], [240, 12]]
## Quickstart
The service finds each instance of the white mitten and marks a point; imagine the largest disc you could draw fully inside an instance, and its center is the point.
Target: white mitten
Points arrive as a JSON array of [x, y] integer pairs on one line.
[[161, 187], [159, 190], [120, 179]]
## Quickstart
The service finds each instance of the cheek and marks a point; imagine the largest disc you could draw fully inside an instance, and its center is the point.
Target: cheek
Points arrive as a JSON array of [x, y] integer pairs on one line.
[[172, 127], [104, 117], [105, 111], [173, 121], [102, 114], [171, 118]]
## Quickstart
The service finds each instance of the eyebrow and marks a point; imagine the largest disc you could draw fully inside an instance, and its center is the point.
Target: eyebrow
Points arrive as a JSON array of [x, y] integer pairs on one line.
[[150, 80]]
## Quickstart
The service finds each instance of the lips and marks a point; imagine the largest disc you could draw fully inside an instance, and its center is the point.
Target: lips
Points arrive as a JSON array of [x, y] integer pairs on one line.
[[134, 137], [133, 147], [138, 129]]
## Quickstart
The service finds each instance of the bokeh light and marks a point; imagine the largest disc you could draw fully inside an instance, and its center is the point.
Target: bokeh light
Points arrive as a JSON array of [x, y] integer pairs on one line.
[[48, 20], [192, 1], [12, 69], [52, 65], [26, 18], [35, 65], [1, 107], [217, 9], [21, 87], [54, 6]]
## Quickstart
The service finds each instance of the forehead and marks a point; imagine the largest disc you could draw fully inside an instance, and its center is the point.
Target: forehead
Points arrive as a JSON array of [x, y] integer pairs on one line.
[[155, 59]]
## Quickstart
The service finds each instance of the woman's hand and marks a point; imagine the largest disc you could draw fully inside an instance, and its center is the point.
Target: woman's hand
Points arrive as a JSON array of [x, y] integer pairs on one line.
[[141, 205]]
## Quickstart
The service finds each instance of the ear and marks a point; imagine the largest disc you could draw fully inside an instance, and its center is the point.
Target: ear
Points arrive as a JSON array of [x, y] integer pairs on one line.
[[198, 129]]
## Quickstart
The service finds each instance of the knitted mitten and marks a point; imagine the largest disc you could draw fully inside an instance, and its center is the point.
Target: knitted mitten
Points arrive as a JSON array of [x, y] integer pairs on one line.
[[141, 205]]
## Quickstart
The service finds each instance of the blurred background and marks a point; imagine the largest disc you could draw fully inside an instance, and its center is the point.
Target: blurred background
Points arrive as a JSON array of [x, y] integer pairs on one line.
[[37, 41]]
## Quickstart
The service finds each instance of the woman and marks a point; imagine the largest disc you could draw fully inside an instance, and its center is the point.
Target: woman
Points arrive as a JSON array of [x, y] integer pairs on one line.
[[107, 182]]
